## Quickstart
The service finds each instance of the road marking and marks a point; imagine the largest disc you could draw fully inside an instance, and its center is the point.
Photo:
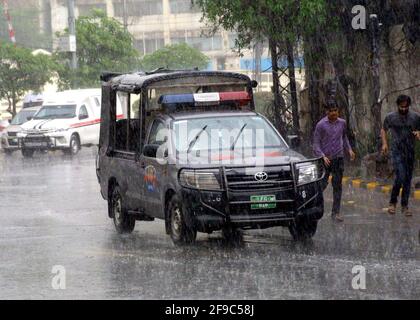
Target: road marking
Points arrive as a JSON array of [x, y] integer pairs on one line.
[[356, 183], [386, 189], [371, 185]]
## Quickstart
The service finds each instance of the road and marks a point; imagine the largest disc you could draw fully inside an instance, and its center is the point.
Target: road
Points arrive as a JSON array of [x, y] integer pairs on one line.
[[52, 214]]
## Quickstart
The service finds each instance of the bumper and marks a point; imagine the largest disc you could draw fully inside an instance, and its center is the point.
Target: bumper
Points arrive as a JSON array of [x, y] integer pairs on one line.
[[210, 211], [44, 142]]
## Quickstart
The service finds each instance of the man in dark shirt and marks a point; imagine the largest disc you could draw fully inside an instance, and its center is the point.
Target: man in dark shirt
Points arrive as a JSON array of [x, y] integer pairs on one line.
[[404, 126], [330, 142]]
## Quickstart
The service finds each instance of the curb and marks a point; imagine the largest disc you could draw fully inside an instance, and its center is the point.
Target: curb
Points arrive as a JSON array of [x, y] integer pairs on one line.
[[373, 186]]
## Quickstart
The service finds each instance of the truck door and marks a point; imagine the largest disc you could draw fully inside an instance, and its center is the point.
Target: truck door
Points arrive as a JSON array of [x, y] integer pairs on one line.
[[83, 125], [154, 170]]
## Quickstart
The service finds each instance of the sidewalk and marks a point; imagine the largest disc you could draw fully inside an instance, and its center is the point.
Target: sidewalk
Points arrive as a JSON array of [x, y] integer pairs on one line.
[[373, 186]]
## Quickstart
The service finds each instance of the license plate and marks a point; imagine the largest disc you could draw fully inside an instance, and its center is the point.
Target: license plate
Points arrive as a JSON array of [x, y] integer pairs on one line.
[[35, 144], [263, 202]]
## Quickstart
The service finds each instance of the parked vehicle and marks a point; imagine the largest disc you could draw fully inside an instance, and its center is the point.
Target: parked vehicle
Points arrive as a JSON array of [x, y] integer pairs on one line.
[[191, 150], [67, 120], [33, 100], [3, 126], [10, 141]]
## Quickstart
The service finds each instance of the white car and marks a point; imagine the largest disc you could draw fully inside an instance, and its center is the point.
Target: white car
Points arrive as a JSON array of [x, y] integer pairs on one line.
[[10, 141], [67, 120], [3, 125]]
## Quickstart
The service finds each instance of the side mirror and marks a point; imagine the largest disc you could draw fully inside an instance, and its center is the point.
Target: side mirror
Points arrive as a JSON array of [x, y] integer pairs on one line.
[[293, 140], [150, 150], [29, 118], [254, 83], [9, 120], [83, 116]]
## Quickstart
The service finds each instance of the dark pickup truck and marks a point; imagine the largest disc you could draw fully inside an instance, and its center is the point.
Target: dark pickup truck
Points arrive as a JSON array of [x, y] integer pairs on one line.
[[191, 150]]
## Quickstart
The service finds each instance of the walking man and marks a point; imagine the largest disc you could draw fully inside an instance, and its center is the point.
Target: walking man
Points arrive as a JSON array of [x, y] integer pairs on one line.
[[330, 142], [404, 126]]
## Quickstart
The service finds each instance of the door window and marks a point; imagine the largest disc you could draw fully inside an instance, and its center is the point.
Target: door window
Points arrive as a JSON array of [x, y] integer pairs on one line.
[[83, 113], [158, 134]]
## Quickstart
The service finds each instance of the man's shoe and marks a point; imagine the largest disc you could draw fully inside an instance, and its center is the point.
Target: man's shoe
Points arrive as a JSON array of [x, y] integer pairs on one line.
[[337, 217], [406, 211], [392, 208]]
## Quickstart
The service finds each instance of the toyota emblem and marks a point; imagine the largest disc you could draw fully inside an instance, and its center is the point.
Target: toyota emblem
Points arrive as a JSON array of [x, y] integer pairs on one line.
[[261, 176]]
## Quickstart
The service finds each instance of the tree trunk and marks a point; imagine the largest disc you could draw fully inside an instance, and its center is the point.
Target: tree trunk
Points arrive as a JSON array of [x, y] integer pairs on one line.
[[292, 85], [376, 106], [278, 99]]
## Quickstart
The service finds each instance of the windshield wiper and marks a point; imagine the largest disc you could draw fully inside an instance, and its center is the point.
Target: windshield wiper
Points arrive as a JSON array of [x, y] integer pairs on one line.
[[192, 143], [237, 137]]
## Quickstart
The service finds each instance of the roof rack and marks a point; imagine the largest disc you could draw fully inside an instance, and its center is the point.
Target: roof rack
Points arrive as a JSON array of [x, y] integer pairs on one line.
[[106, 75], [162, 69]]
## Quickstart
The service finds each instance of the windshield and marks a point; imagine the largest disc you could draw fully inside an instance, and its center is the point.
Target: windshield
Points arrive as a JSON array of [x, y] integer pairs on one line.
[[237, 134], [56, 112], [22, 117]]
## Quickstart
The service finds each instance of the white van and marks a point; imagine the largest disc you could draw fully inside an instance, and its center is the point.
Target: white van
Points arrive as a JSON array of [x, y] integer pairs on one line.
[[67, 120]]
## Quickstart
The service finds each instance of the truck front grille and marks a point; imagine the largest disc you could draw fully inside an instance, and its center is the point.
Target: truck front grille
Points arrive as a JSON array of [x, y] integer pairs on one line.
[[243, 179]]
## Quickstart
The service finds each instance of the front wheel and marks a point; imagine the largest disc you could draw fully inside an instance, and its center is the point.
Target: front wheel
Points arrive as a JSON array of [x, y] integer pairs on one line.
[[8, 152], [303, 228], [124, 223], [179, 231], [74, 146], [27, 153]]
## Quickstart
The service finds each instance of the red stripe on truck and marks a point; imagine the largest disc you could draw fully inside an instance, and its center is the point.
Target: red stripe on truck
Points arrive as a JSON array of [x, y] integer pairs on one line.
[[90, 122]]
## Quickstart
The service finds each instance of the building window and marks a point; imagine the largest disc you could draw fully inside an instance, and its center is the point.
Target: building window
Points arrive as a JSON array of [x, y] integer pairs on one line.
[[138, 8], [150, 43], [182, 6], [202, 43], [221, 63], [177, 37], [86, 9]]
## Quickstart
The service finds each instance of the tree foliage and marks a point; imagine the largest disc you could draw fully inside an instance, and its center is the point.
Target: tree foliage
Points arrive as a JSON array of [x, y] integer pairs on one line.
[[277, 20], [177, 56], [21, 71], [102, 45]]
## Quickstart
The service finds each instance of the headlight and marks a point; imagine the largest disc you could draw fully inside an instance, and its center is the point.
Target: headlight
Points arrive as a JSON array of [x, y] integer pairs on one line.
[[307, 172], [199, 179]]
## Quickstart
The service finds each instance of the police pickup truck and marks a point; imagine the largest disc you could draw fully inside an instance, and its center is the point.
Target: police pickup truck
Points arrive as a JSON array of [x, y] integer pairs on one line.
[[191, 150]]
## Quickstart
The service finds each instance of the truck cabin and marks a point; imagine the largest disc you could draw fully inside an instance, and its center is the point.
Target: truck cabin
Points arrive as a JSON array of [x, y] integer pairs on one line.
[[143, 96]]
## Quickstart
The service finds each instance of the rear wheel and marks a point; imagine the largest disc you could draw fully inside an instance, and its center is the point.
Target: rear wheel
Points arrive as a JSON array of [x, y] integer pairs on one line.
[[124, 223], [303, 228], [179, 231], [27, 153], [8, 152]]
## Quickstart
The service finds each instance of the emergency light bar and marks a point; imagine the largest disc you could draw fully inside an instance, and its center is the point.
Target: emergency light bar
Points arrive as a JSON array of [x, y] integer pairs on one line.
[[240, 98]]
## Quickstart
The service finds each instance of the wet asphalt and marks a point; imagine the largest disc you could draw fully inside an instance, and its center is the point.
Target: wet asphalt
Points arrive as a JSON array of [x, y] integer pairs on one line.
[[52, 214]]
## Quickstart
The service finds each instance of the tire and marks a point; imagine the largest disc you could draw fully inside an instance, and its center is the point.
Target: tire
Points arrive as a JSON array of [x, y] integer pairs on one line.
[[303, 228], [179, 231], [8, 152], [27, 153], [124, 223], [232, 235], [74, 145]]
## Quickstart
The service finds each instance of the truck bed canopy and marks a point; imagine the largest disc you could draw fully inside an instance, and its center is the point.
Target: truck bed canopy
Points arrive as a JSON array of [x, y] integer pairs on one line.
[[135, 82]]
